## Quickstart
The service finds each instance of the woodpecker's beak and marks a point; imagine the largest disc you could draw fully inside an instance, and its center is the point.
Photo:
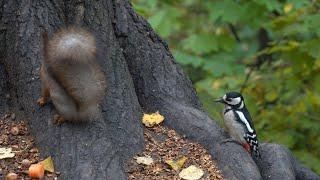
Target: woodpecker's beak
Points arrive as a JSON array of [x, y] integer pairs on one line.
[[220, 100]]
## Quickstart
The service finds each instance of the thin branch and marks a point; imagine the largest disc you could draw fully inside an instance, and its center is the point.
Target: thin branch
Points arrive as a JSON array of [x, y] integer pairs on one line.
[[244, 84], [234, 32]]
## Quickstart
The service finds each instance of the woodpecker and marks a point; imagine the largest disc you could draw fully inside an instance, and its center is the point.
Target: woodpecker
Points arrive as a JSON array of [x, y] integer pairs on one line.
[[239, 123]]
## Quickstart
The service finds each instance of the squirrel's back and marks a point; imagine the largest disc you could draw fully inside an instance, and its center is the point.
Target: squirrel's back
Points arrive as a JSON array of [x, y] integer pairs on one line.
[[70, 59]]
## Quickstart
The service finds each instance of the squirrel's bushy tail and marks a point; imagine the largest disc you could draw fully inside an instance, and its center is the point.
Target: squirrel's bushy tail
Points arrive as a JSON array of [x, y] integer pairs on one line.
[[70, 57], [72, 43]]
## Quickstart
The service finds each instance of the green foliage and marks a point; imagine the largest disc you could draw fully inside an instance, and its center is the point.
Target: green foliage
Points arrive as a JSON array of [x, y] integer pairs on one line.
[[283, 93]]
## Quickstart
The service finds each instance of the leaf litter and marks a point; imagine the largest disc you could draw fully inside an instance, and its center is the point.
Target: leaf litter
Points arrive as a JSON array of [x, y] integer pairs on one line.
[[171, 155], [18, 147], [6, 153]]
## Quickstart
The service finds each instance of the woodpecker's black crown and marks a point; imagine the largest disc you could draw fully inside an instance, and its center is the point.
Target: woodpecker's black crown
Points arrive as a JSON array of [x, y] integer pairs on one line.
[[233, 94]]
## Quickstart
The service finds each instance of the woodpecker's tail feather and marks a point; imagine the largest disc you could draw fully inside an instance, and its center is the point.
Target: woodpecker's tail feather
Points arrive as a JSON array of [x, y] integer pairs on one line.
[[256, 152]]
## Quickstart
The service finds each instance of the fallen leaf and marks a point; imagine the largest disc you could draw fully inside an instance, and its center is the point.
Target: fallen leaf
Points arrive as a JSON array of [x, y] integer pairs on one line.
[[150, 120], [144, 160], [176, 165], [11, 176], [6, 153], [157, 168], [191, 173], [48, 164]]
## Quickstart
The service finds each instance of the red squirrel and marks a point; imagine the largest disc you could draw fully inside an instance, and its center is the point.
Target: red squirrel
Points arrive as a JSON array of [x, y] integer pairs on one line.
[[71, 75]]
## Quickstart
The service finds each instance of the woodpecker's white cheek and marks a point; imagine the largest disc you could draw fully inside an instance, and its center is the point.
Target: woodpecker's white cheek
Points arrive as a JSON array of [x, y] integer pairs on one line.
[[242, 105], [235, 101], [224, 97]]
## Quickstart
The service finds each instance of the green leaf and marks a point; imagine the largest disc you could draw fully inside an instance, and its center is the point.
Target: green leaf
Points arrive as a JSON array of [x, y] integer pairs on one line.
[[165, 21], [294, 29], [201, 43], [186, 59], [227, 10], [226, 43], [312, 47], [271, 5], [157, 18], [205, 85]]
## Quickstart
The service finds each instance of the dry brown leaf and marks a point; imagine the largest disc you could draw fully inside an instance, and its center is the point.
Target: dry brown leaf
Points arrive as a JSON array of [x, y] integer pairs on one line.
[[176, 165], [48, 164], [150, 120], [191, 173], [6, 153]]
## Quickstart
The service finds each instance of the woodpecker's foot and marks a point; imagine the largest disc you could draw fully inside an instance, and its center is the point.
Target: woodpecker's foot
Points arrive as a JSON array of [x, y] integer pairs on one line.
[[246, 146], [41, 101], [58, 120], [230, 140]]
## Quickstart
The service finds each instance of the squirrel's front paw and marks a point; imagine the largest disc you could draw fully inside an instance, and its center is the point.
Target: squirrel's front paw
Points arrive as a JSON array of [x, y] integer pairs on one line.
[[41, 101], [58, 120]]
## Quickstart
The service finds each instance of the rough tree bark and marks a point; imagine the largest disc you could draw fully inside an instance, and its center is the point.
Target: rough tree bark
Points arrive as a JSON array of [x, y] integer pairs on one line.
[[142, 76]]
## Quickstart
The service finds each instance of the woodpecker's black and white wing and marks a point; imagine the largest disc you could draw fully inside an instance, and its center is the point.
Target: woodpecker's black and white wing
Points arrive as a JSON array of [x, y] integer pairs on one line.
[[250, 134]]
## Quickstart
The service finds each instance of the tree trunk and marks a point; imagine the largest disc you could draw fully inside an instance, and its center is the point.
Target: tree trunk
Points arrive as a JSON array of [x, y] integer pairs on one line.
[[142, 76]]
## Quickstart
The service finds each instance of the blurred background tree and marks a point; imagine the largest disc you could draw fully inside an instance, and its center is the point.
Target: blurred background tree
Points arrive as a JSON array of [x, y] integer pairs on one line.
[[267, 49]]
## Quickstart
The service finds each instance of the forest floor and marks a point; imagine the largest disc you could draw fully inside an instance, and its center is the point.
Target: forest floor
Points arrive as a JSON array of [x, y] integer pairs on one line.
[[171, 153], [14, 134]]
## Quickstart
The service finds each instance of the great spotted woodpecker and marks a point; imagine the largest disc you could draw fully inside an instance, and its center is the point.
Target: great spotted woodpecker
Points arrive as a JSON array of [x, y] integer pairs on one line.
[[238, 122]]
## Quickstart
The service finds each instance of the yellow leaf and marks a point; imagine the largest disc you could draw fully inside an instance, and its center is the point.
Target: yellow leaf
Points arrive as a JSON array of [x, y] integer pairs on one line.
[[216, 85], [191, 173], [48, 164], [144, 160], [317, 63], [271, 96], [287, 7], [176, 165], [293, 44], [6, 153], [150, 120], [219, 31]]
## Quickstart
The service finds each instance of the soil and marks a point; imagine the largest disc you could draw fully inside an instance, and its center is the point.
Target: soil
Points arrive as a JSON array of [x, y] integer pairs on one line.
[[164, 144], [15, 134]]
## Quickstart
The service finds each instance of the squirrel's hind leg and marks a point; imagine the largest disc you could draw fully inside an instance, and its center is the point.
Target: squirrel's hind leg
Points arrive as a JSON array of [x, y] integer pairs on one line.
[[58, 120], [63, 103], [45, 95]]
